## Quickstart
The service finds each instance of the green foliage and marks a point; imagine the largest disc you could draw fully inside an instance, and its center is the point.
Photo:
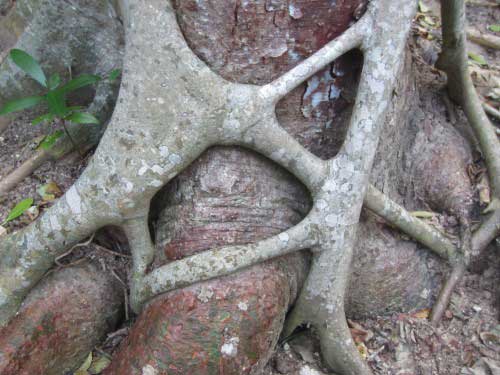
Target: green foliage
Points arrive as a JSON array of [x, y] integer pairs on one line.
[[49, 140], [54, 96], [494, 28], [19, 209], [479, 59], [29, 65]]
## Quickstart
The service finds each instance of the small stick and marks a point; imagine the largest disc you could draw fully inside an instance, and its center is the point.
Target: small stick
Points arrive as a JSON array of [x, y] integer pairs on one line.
[[486, 40], [86, 243], [71, 138]]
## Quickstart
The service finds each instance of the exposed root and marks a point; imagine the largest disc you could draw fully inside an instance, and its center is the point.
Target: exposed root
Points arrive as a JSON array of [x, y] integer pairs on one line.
[[453, 60], [169, 113], [414, 227], [491, 111], [86, 139], [487, 40], [444, 297]]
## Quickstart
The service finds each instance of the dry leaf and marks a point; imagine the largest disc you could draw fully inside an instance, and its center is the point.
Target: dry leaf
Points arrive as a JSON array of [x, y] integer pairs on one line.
[[422, 214], [85, 366], [363, 351], [422, 314], [49, 191], [98, 365]]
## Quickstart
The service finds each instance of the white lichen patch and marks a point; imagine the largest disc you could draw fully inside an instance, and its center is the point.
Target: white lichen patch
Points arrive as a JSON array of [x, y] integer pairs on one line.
[[242, 306], [205, 294], [149, 370], [164, 151], [74, 201], [306, 370], [284, 237], [230, 348], [174, 159]]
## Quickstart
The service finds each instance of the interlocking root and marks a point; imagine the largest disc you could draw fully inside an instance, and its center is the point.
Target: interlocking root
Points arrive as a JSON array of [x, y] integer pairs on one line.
[[168, 113]]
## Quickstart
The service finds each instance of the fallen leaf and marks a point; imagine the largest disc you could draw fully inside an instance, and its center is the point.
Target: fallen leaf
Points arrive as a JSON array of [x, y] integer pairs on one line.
[[3, 231], [363, 351], [494, 28], [85, 366], [479, 59], [99, 364], [49, 191], [422, 7], [422, 314], [18, 210], [422, 214]]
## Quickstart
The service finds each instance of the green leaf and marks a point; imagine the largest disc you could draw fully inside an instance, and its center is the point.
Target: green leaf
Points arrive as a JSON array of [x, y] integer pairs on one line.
[[79, 82], [29, 65], [57, 103], [477, 58], [42, 118], [75, 108], [114, 74], [20, 104], [494, 28], [54, 81], [422, 7], [19, 209], [49, 140], [82, 118]]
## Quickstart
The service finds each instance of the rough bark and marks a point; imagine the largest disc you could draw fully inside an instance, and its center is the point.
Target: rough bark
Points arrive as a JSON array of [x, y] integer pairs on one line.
[[60, 322]]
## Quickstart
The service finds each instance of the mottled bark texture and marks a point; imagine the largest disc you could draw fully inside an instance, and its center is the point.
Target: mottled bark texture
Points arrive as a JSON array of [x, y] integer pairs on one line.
[[233, 196], [60, 322], [172, 108], [229, 196]]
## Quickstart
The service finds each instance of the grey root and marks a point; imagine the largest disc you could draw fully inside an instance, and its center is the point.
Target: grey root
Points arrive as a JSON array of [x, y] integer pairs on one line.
[[172, 107]]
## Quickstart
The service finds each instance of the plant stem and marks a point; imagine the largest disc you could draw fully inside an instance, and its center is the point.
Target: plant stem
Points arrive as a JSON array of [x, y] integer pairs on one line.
[[71, 138]]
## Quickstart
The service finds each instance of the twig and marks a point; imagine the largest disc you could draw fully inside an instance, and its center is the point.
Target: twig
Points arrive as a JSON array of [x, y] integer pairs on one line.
[[444, 297], [63, 122], [125, 292], [86, 243], [481, 3], [111, 252], [486, 40], [491, 111]]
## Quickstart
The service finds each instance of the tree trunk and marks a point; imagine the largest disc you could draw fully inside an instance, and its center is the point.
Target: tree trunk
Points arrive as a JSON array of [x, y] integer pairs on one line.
[[232, 196]]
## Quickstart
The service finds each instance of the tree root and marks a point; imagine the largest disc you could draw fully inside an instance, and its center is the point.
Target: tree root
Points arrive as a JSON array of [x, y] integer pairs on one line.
[[232, 114], [486, 40], [491, 111], [169, 113], [453, 60]]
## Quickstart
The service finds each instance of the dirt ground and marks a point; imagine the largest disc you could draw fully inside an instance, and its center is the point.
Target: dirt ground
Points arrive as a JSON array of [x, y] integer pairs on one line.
[[466, 342]]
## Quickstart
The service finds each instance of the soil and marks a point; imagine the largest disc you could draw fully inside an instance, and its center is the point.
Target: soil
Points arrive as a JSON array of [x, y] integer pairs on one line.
[[466, 342]]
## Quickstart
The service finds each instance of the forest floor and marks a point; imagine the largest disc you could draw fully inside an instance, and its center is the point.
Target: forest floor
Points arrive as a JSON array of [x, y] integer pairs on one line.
[[466, 342]]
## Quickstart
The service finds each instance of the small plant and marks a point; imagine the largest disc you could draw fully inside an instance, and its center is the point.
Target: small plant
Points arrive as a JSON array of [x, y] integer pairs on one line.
[[18, 210], [54, 96]]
